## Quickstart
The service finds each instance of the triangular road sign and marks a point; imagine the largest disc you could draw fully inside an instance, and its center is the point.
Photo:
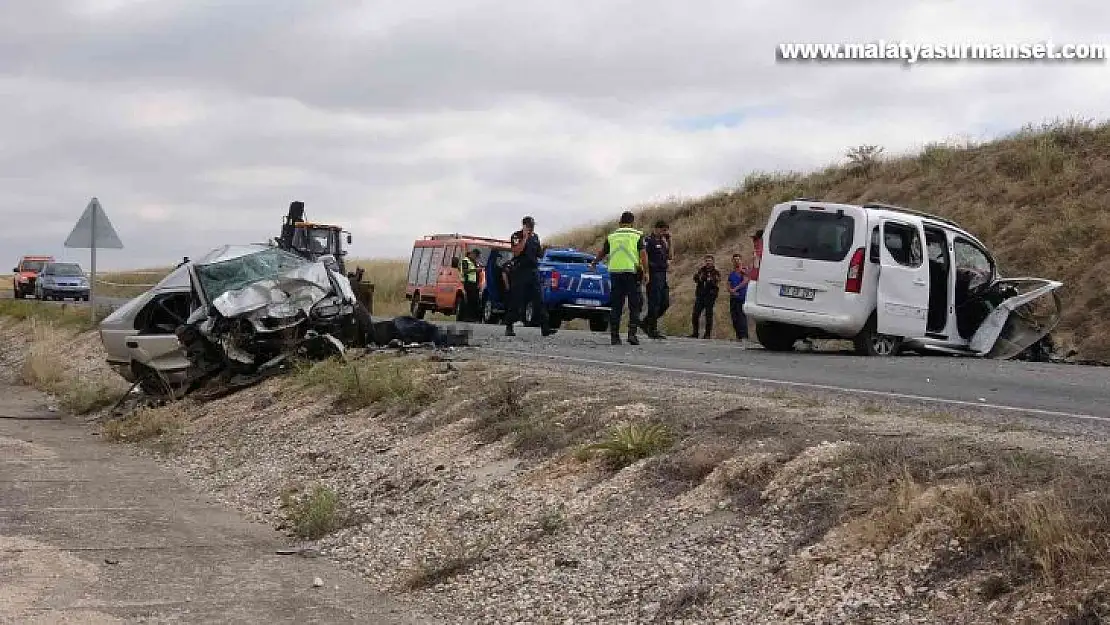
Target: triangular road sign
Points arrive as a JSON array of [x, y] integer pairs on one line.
[[94, 230]]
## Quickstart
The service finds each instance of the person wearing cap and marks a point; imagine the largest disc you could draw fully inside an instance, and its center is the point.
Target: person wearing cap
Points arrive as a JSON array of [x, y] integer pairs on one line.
[[470, 271], [659, 254], [628, 262], [525, 279]]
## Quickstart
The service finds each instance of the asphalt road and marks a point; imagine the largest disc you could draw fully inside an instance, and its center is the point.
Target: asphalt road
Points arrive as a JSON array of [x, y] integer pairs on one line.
[[1052, 391]]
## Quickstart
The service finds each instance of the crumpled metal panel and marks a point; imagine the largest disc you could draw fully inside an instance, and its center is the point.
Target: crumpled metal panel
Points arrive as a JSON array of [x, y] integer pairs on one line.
[[1019, 321], [296, 290]]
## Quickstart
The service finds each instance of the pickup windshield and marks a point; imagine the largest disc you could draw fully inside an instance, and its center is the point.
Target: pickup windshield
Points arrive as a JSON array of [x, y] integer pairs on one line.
[[32, 265]]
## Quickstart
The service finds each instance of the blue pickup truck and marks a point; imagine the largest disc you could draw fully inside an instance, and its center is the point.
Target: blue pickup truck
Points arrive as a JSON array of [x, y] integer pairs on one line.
[[572, 288]]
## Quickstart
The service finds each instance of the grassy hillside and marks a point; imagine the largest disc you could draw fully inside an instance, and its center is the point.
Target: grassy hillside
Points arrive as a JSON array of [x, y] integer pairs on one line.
[[1039, 198]]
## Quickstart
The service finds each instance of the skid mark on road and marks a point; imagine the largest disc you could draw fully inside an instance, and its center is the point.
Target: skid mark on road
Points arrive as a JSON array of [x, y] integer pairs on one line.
[[810, 385]]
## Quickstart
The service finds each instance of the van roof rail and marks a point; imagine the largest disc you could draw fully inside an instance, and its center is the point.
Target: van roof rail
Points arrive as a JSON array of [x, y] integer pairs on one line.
[[911, 211]]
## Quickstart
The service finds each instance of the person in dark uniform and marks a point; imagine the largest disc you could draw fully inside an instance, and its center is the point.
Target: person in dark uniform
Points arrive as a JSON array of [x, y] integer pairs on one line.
[[659, 255], [525, 279], [707, 285], [470, 271], [625, 249]]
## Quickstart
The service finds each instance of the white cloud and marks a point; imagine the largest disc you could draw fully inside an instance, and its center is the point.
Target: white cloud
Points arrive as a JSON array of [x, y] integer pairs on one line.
[[197, 123]]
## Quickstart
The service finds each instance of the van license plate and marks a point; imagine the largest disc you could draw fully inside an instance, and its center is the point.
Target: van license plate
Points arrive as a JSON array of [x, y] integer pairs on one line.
[[587, 302], [797, 292]]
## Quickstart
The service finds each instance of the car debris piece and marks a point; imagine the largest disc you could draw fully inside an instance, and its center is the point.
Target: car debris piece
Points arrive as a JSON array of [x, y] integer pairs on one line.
[[1022, 312], [406, 331]]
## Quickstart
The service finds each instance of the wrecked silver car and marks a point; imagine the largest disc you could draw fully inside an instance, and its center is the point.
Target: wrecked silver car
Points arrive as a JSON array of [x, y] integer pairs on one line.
[[238, 312], [242, 313]]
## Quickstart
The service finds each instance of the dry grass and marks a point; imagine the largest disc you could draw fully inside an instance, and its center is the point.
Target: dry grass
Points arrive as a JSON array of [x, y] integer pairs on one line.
[[1036, 198], [389, 278], [45, 368], [313, 515], [160, 425], [65, 316], [381, 380], [129, 283], [433, 572]]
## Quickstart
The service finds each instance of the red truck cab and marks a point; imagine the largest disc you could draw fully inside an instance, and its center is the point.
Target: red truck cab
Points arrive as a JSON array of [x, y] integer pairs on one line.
[[26, 273]]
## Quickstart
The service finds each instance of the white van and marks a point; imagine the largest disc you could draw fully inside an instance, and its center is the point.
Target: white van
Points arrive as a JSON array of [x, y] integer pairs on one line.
[[888, 278]]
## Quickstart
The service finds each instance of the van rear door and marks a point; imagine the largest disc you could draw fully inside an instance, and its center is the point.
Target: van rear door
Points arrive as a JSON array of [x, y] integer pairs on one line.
[[903, 298], [806, 257]]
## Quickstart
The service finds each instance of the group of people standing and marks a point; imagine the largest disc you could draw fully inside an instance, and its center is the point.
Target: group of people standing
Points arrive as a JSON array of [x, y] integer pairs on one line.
[[637, 263], [636, 260]]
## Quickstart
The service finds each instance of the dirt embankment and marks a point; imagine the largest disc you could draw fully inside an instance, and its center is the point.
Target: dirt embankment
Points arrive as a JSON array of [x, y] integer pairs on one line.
[[479, 492], [1037, 199]]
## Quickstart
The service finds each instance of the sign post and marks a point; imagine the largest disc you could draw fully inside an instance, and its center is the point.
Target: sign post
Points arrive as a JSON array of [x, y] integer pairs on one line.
[[93, 230]]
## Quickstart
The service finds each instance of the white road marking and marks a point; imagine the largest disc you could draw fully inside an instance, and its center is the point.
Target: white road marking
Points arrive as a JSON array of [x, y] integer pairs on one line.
[[811, 385]]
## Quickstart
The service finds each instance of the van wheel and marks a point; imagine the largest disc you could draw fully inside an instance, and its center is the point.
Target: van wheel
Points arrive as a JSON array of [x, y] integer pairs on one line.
[[870, 343], [775, 337], [460, 308], [415, 309]]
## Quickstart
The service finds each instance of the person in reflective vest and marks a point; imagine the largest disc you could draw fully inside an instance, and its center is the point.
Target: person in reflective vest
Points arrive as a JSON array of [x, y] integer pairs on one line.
[[470, 284], [626, 251]]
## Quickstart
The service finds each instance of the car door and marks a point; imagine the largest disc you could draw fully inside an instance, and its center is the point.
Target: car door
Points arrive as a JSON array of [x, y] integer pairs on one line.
[[156, 344], [903, 295]]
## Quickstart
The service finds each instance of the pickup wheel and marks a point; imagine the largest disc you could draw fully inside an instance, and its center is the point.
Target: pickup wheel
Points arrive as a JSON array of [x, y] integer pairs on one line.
[[529, 315], [488, 315], [599, 324], [775, 337], [415, 308]]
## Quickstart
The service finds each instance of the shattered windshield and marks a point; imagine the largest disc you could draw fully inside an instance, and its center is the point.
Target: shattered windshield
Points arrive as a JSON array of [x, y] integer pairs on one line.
[[230, 275]]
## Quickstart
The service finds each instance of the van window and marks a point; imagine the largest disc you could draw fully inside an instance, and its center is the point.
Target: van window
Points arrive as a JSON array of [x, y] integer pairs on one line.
[[425, 263], [812, 235], [483, 253], [431, 270], [414, 265], [450, 253], [874, 250], [970, 256], [903, 242], [571, 259]]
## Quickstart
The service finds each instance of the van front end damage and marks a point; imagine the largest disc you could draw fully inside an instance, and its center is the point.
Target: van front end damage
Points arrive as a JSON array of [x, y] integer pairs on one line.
[[1013, 315]]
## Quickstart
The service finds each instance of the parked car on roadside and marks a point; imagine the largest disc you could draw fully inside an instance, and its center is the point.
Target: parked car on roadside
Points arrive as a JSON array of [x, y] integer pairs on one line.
[[59, 281], [890, 278], [26, 273]]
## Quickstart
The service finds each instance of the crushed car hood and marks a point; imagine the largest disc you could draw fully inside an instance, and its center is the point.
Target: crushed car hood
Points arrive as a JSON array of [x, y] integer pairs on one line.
[[1031, 309], [296, 290]]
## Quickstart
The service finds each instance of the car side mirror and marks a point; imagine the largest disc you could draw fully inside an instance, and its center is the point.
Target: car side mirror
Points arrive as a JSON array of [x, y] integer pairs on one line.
[[348, 239]]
